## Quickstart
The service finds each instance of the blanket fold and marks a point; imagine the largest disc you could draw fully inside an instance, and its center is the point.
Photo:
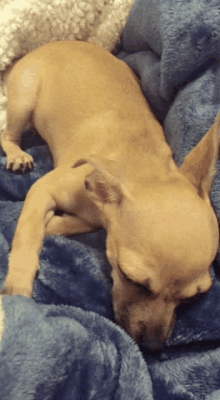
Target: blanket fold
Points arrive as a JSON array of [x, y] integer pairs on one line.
[[57, 348]]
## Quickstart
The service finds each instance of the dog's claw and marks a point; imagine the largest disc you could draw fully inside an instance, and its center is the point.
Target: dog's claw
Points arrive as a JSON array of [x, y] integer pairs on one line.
[[6, 291], [13, 291], [20, 162]]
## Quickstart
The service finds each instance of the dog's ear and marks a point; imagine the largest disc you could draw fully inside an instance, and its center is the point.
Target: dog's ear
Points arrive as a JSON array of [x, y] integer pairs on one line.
[[103, 183], [200, 164]]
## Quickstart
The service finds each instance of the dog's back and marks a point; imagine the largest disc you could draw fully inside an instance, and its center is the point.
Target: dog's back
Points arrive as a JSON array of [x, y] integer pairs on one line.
[[77, 93]]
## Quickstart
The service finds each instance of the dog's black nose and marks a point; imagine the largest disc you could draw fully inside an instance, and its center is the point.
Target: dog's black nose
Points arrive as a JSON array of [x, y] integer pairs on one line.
[[155, 344]]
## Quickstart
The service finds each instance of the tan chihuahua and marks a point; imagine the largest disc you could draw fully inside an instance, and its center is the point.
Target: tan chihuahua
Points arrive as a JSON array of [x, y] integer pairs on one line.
[[113, 169]]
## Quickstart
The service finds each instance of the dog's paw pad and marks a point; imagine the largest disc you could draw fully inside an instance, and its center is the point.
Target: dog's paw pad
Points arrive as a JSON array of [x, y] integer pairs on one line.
[[20, 162]]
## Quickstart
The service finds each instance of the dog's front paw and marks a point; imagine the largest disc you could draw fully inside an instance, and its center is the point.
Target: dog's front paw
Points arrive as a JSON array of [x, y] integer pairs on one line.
[[20, 161], [13, 291], [14, 288], [56, 226]]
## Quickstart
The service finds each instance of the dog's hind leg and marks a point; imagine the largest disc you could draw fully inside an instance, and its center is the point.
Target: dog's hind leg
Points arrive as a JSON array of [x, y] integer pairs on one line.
[[17, 159], [22, 91]]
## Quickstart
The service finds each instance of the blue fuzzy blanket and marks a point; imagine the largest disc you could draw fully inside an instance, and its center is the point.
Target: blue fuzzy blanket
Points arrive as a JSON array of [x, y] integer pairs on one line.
[[63, 344]]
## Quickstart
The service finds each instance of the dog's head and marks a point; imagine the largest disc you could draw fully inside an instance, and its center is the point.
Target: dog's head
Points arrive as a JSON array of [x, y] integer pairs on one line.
[[161, 239]]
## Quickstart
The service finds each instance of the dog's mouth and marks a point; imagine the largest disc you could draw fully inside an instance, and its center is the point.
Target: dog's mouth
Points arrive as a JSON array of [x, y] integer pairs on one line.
[[139, 335], [122, 319], [150, 332], [153, 339]]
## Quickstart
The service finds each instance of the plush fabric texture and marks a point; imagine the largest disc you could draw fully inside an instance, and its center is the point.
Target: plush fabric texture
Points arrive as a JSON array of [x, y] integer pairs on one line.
[[28, 24], [63, 344]]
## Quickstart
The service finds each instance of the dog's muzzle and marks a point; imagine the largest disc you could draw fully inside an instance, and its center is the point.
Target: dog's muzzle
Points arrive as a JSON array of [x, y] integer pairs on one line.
[[155, 344]]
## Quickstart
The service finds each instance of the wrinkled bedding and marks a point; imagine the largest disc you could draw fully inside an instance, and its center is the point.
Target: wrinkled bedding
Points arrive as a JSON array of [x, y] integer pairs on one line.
[[63, 344]]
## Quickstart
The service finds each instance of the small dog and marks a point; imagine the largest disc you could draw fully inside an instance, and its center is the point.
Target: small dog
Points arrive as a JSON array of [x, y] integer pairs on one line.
[[113, 169]]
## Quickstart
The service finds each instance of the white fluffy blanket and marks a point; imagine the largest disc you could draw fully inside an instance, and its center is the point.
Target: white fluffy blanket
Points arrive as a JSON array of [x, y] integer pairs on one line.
[[28, 24]]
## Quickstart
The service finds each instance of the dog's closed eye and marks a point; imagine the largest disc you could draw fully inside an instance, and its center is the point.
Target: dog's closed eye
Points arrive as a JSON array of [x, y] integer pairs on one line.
[[192, 298], [144, 287]]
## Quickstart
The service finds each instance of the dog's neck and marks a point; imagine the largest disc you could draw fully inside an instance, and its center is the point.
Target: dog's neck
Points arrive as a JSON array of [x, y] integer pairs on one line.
[[143, 157]]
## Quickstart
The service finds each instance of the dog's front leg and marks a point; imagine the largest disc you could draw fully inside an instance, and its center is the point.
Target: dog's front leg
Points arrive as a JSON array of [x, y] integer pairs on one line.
[[28, 240], [67, 225]]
